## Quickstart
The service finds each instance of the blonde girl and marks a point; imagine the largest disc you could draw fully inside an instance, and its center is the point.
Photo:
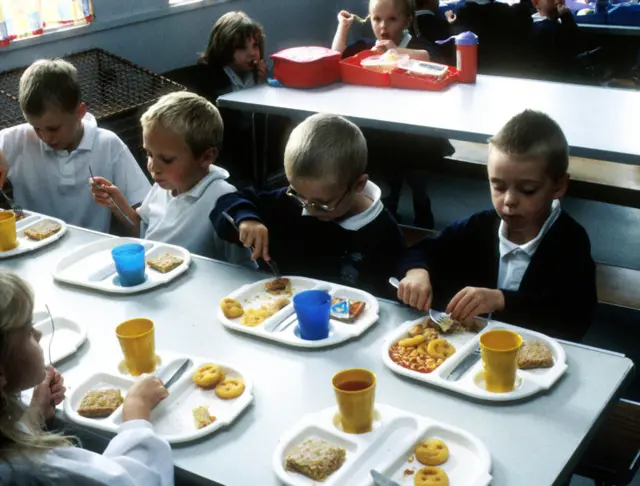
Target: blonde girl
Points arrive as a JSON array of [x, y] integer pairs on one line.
[[28, 454]]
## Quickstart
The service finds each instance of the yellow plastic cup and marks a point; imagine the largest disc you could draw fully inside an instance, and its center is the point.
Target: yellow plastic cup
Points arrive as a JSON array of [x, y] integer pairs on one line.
[[137, 340], [8, 238], [355, 393], [500, 356]]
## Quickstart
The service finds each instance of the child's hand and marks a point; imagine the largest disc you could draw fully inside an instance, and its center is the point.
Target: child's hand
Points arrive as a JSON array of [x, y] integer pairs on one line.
[[451, 17], [563, 10], [143, 396], [415, 289], [384, 45], [48, 394], [255, 234], [345, 19], [4, 169], [474, 301], [101, 191], [261, 71]]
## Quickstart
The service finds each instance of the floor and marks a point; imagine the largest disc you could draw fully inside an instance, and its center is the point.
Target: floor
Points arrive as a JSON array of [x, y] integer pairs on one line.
[[615, 239]]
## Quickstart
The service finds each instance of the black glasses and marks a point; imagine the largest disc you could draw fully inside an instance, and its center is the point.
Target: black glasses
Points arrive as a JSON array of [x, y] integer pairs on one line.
[[314, 206]]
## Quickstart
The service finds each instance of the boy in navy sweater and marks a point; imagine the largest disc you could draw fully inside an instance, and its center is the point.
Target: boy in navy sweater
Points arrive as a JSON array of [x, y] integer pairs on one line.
[[527, 262], [329, 223]]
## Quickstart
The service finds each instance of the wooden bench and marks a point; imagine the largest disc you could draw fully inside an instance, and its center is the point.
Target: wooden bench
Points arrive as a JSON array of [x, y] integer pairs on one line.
[[596, 180], [616, 285]]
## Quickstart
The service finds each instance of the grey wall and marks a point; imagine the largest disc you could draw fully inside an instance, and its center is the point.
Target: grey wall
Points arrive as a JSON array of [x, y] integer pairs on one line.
[[175, 37]]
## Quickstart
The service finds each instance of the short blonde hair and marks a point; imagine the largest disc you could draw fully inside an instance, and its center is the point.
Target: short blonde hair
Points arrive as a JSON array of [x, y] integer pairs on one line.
[[20, 432], [534, 135], [229, 33], [407, 6], [192, 117], [328, 148], [49, 83]]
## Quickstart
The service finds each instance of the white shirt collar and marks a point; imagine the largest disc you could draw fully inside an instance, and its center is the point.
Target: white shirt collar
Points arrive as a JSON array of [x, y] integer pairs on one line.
[[90, 130], [237, 83], [215, 173], [358, 221], [405, 40], [479, 2], [507, 247], [424, 12]]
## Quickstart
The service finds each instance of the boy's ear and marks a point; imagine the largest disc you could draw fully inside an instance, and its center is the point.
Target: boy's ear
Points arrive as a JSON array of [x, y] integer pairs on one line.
[[361, 182], [561, 186], [81, 111], [209, 157]]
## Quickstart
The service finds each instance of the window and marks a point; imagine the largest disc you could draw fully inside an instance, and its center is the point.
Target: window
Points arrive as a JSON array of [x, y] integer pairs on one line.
[[26, 18]]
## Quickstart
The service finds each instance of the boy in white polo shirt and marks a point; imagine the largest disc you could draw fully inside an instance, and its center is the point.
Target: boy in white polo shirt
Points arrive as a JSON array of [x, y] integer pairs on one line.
[[48, 159], [182, 135], [526, 262]]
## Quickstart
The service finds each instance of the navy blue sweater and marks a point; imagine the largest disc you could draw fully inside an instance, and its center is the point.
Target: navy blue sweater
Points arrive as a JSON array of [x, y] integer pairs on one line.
[[558, 291], [556, 44], [306, 246]]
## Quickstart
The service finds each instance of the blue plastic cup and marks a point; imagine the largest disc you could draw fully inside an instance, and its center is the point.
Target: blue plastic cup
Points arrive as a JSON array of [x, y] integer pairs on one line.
[[130, 265], [313, 308]]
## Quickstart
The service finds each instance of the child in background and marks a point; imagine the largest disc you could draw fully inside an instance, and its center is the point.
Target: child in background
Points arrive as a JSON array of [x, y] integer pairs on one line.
[[390, 21], [526, 262], [329, 223], [48, 159], [182, 134], [431, 25], [28, 454]]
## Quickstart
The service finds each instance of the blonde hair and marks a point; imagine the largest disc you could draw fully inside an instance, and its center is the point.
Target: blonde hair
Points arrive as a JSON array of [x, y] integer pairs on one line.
[[534, 135], [407, 6], [229, 33], [192, 117], [20, 430], [328, 148], [49, 83]]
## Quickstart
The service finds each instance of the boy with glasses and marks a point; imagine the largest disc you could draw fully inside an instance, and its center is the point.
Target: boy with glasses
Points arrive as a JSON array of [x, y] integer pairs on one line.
[[329, 223]]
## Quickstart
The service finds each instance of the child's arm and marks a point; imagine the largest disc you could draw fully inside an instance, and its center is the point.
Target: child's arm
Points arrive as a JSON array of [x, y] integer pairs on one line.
[[417, 54], [106, 194], [345, 20]]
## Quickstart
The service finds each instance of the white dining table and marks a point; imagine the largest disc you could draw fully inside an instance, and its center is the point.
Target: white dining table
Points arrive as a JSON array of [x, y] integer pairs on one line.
[[535, 442]]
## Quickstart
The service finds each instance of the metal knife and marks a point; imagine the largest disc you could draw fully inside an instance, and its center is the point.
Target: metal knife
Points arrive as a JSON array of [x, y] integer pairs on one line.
[[380, 480], [463, 366], [179, 372]]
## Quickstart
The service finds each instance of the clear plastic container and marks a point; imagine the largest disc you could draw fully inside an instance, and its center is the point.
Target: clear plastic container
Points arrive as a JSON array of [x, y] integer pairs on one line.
[[427, 69], [385, 63]]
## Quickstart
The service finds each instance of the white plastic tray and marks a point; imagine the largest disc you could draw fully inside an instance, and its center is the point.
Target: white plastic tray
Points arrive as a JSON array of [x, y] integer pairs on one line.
[[92, 266], [528, 382], [387, 449], [67, 338], [254, 296], [173, 417], [26, 244]]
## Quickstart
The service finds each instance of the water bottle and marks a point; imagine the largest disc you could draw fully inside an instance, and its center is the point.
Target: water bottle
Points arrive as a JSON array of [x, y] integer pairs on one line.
[[466, 56]]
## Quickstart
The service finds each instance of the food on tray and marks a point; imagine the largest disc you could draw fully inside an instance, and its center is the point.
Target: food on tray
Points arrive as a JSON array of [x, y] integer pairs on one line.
[[408, 472], [42, 230], [315, 458], [165, 263], [432, 452], [100, 403], [428, 69], [279, 286], [278, 305], [202, 417], [231, 308], [208, 376], [386, 62], [230, 388], [440, 348], [19, 217], [346, 310], [254, 317], [431, 476], [535, 354]]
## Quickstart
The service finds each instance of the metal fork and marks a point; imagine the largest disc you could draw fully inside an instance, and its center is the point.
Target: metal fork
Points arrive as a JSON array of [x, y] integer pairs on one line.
[[111, 199], [271, 263], [53, 331], [16, 208], [439, 318]]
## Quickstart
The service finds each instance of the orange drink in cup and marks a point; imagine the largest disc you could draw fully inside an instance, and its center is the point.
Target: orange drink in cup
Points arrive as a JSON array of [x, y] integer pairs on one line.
[[8, 238], [355, 393], [500, 349], [137, 340]]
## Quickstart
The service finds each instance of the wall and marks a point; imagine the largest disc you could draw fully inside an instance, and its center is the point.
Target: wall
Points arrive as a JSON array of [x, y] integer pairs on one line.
[[163, 38]]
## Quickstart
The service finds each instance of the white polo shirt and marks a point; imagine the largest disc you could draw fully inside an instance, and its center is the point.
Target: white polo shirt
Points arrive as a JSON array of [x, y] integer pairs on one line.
[[515, 259], [56, 183], [183, 220]]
